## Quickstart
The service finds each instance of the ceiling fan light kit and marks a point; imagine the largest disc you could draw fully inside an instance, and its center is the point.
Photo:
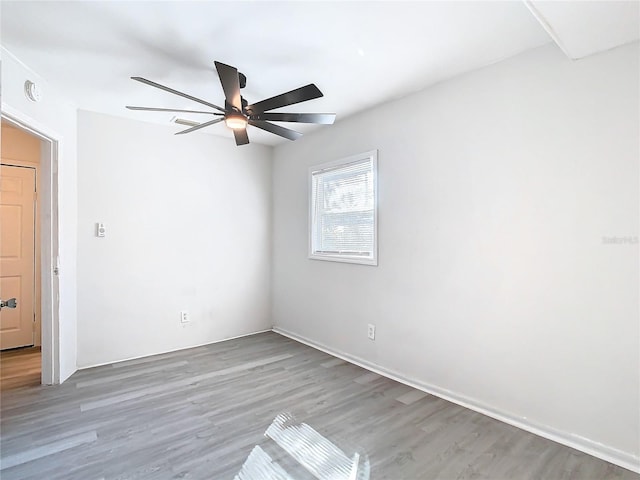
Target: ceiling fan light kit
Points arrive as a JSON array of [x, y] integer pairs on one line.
[[238, 113], [235, 121]]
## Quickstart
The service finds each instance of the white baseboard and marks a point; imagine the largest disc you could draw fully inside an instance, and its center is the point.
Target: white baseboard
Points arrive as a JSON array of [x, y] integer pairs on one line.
[[599, 450], [169, 351]]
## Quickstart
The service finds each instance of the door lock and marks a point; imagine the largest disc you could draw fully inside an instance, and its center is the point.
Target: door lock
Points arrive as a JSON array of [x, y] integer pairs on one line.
[[11, 303]]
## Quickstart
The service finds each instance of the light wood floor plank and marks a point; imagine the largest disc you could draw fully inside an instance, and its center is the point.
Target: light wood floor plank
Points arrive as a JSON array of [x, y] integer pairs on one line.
[[410, 397], [50, 448]]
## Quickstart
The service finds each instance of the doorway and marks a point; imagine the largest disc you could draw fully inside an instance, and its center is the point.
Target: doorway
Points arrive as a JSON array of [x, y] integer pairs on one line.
[[29, 332], [19, 254]]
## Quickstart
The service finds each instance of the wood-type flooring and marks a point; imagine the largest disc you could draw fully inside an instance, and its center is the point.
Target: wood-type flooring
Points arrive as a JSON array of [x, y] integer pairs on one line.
[[197, 414]]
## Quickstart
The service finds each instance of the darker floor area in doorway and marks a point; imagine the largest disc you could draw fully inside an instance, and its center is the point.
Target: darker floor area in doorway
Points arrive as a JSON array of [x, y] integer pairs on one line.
[[20, 367]]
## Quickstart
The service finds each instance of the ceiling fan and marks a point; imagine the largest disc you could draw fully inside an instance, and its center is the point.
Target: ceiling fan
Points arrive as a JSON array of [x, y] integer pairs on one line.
[[237, 113]]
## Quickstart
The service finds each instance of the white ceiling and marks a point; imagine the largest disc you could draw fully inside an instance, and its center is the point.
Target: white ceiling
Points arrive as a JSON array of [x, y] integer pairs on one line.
[[358, 53], [582, 28]]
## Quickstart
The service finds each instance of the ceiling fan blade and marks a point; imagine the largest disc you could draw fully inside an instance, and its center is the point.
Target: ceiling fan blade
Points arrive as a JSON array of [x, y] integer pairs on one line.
[[277, 129], [182, 121], [176, 92], [241, 136], [323, 118], [154, 109], [302, 94], [230, 84], [199, 126]]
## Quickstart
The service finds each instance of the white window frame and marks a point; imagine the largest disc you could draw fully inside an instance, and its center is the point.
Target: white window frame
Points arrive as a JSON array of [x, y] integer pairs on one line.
[[338, 257]]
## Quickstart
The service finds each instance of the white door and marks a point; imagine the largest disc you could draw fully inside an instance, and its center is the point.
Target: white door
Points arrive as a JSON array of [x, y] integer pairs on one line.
[[17, 254]]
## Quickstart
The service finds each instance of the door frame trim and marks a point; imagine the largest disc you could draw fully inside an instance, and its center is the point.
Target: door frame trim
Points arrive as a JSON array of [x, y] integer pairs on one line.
[[49, 240]]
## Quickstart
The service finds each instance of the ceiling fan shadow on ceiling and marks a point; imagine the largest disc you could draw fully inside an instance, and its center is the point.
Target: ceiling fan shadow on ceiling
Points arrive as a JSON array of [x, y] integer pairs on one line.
[[238, 114]]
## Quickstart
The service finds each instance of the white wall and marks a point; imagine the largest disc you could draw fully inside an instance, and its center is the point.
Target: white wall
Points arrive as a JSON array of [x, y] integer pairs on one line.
[[53, 114], [187, 227], [494, 286]]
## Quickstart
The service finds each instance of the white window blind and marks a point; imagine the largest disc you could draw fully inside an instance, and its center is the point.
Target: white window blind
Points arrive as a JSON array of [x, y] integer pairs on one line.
[[343, 210]]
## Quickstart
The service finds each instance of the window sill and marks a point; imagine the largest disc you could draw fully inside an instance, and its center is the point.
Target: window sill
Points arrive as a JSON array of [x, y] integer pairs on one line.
[[345, 259]]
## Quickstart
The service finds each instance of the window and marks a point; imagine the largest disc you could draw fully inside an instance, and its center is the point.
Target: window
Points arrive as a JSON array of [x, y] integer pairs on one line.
[[343, 208]]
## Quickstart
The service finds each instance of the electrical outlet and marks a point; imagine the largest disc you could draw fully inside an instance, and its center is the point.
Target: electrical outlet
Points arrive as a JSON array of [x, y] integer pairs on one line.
[[371, 332], [184, 316]]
